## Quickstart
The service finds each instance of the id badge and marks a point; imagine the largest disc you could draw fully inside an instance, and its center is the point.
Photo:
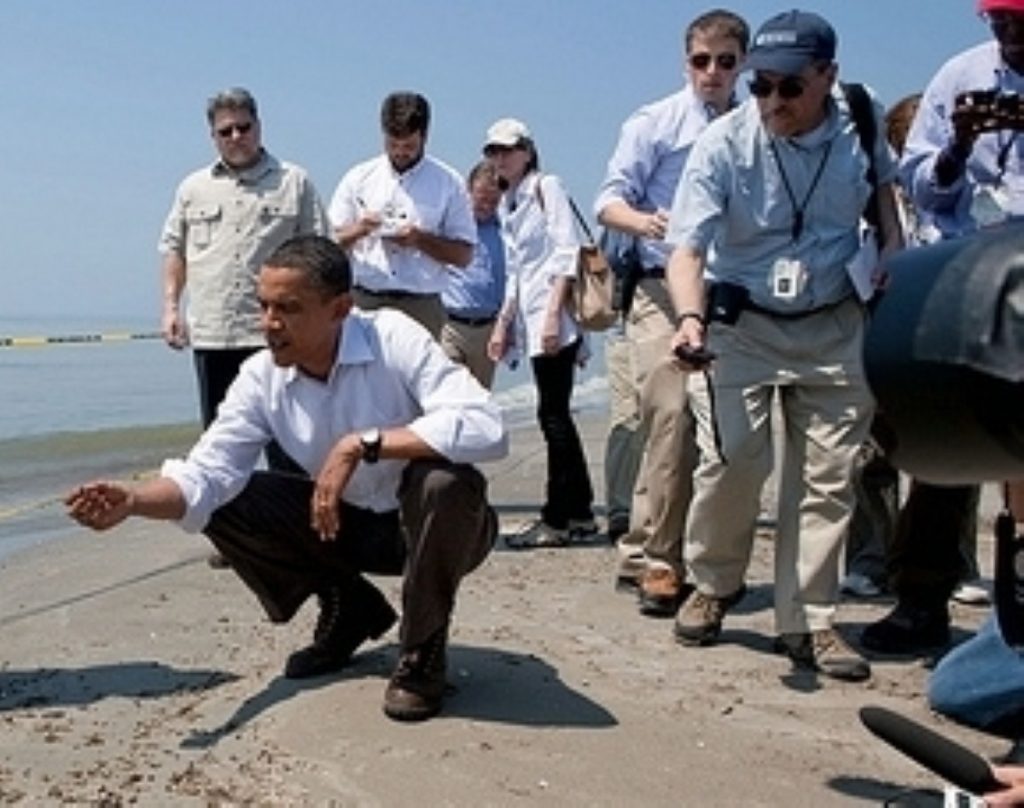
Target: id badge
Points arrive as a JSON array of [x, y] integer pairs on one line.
[[788, 278]]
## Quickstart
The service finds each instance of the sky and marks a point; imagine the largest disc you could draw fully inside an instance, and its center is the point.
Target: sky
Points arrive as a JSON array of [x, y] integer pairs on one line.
[[102, 103]]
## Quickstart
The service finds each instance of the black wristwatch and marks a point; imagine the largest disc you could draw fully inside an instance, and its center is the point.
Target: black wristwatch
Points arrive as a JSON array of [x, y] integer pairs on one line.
[[370, 440]]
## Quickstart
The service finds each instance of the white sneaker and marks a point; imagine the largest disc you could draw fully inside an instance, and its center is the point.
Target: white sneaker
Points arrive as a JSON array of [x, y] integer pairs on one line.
[[859, 585], [972, 593]]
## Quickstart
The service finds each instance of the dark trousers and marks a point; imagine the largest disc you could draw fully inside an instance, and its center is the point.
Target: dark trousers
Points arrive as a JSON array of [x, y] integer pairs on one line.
[[216, 368], [569, 494], [927, 563], [443, 529]]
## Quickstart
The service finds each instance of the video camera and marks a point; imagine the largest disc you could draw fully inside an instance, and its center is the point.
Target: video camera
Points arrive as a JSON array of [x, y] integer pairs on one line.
[[944, 356]]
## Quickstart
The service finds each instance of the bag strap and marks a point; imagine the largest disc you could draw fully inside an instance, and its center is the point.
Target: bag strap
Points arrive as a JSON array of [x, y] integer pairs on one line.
[[572, 204], [863, 114]]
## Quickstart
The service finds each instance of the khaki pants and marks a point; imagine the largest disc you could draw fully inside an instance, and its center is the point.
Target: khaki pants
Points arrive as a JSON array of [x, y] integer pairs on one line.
[[663, 489], [467, 344], [813, 365], [624, 448], [424, 309]]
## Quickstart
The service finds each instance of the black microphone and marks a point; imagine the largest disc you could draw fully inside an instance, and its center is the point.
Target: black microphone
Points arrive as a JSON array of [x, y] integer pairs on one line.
[[952, 762]]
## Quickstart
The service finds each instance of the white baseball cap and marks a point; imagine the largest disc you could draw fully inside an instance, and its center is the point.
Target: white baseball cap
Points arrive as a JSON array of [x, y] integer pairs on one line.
[[506, 132]]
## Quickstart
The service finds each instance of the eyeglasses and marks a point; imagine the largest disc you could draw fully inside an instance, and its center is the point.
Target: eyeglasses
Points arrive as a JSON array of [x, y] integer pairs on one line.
[[724, 61], [788, 87], [230, 129]]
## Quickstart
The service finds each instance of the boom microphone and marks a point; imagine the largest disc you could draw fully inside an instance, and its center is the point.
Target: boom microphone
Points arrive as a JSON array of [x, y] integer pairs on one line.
[[952, 762]]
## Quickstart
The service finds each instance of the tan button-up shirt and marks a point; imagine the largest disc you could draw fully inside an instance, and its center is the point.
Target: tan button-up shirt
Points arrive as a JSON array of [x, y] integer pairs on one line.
[[225, 224]]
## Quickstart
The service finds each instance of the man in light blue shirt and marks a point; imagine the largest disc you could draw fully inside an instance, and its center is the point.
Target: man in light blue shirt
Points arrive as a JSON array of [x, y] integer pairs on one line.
[[774, 192], [385, 426], [650, 422], [473, 297]]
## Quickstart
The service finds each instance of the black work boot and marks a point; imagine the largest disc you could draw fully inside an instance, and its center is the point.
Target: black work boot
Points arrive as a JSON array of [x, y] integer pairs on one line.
[[417, 685], [349, 616], [910, 628]]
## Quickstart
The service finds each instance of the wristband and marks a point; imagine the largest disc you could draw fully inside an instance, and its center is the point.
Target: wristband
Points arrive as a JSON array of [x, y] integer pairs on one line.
[[686, 315]]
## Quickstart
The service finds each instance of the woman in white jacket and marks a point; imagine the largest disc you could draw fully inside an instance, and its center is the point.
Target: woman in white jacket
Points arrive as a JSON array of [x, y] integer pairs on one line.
[[536, 316]]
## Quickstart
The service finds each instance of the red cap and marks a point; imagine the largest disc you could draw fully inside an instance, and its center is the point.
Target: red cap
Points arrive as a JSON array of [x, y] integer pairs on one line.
[[1001, 5]]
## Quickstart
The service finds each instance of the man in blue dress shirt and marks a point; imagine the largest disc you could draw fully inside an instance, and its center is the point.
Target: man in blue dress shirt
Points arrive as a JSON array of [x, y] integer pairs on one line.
[[474, 295]]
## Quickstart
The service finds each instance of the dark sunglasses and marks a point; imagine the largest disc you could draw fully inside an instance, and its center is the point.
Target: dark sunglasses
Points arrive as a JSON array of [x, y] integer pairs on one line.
[[788, 88], [241, 128], [702, 61], [1002, 19]]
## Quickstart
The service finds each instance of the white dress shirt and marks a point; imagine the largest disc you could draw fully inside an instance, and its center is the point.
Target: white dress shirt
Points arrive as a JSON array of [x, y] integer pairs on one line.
[[389, 372], [542, 245], [430, 195]]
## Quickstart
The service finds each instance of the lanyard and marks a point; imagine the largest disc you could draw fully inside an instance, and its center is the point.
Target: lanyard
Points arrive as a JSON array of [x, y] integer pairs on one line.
[[798, 210], [1003, 155]]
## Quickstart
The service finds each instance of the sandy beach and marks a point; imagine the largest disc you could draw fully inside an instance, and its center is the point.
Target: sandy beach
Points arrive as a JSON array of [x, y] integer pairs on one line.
[[131, 673]]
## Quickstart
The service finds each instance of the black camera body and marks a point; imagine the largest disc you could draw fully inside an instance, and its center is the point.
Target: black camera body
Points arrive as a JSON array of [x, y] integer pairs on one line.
[[990, 110], [944, 355]]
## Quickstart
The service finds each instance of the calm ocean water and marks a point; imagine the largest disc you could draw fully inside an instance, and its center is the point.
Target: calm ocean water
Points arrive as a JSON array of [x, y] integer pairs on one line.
[[117, 406]]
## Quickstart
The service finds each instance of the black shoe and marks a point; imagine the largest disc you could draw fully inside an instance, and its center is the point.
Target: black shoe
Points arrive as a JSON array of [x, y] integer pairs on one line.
[[345, 623], [909, 628], [618, 526], [218, 562], [416, 688]]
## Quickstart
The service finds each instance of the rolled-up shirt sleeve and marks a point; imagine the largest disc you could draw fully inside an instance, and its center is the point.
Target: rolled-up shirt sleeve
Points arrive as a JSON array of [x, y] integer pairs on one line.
[[221, 462], [172, 236], [459, 418], [629, 167]]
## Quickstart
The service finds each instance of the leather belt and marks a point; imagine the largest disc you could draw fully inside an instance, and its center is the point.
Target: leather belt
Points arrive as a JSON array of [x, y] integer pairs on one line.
[[473, 321], [394, 294], [793, 315]]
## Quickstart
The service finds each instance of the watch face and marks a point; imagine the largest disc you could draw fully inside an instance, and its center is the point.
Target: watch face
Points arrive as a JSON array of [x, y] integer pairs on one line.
[[371, 440]]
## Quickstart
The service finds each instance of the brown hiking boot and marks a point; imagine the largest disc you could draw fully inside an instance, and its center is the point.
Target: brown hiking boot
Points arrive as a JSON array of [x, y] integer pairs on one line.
[[827, 652], [417, 685], [662, 591], [699, 620]]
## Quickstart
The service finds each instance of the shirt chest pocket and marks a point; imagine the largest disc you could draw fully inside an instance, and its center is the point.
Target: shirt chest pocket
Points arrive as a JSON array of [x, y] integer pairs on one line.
[[202, 224], [279, 211]]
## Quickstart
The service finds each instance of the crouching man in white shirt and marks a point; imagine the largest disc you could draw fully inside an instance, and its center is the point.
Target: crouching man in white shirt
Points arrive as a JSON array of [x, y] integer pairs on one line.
[[386, 427]]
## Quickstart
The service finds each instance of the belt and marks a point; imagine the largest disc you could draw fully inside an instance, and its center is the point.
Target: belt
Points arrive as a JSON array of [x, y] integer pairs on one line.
[[657, 273], [473, 321], [793, 315], [394, 294]]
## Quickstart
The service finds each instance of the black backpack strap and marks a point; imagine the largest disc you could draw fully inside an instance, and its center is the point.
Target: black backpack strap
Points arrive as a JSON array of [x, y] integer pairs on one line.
[[863, 114]]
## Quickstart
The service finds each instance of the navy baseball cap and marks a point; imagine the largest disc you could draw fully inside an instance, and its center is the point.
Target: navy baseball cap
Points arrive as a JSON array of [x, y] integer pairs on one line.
[[788, 42]]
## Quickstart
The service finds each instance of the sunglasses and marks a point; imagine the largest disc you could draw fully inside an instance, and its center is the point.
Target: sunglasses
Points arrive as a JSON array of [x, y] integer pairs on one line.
[[788, 88], [240, 128], [724, 61]]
